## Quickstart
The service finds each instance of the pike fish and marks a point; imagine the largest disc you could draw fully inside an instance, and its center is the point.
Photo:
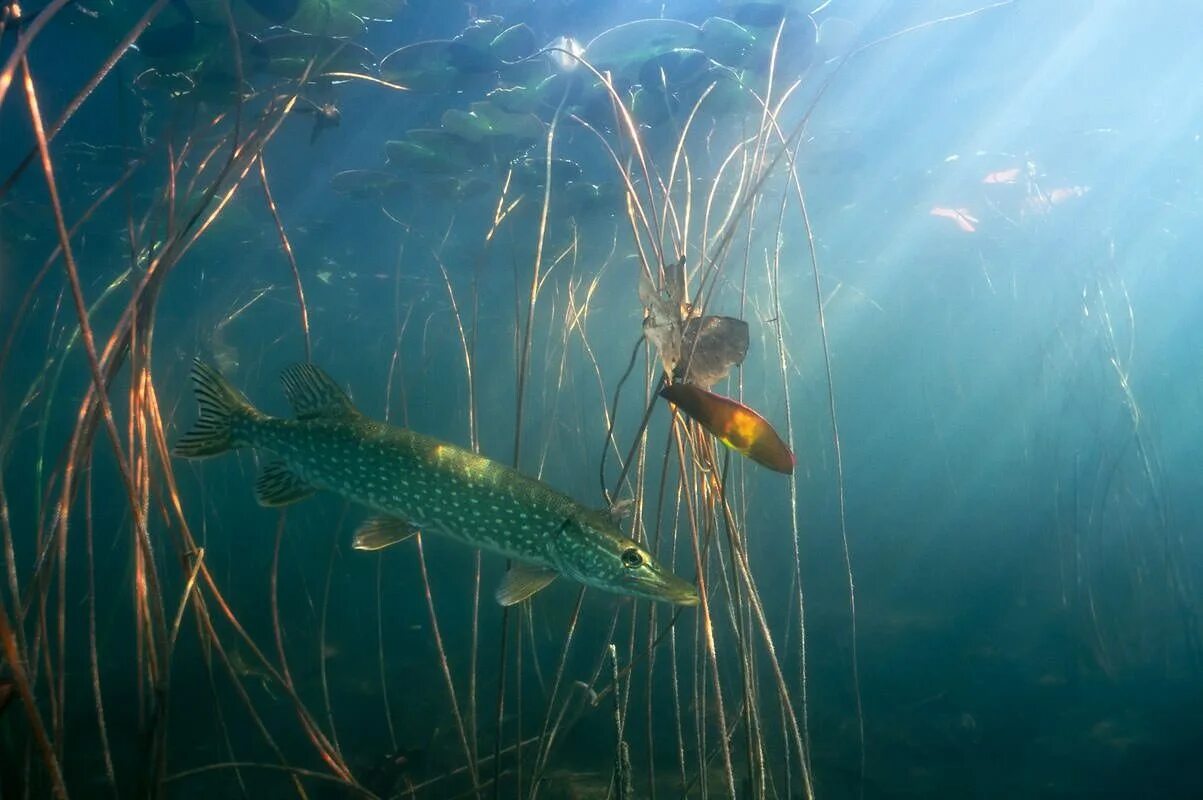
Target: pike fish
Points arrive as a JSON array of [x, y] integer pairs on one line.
[[415, 482]]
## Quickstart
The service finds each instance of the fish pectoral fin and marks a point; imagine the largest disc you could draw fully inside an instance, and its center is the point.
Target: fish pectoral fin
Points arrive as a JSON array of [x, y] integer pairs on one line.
[[314, 395], [278, 485], [377, 533], [521, 581]]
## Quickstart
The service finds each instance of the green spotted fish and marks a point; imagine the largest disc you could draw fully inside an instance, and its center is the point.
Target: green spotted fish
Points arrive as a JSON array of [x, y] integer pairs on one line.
[[414, 482]]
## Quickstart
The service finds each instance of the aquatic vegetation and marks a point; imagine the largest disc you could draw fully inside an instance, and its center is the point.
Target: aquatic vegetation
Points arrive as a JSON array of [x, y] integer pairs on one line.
[[527, 142], [735, 425], [422, 158], [484, 120], [561, 272], [288, 55], [365, 183]]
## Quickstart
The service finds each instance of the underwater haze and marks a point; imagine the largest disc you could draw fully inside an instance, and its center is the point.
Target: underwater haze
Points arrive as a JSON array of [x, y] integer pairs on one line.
[[591, 399]]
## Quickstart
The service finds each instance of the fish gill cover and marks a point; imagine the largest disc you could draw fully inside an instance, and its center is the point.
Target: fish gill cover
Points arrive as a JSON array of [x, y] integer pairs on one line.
[[703, 398]]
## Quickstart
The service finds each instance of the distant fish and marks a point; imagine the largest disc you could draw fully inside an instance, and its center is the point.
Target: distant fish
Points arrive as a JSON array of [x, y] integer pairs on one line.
[[416, 483], [325, 116], [735, 425], [1059, 196], [1003, 176], [961, 216], [1043, 202]]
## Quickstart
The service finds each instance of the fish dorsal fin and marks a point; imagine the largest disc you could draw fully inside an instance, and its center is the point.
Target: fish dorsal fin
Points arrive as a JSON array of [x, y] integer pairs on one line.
[[620, 510], [278, 485], [521, 581], [313, 394], [377, 533]]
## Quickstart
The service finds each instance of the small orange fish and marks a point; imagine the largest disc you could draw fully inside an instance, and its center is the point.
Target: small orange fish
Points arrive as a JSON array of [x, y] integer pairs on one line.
[[1003, 176], [961, 216], [1058, 196], [1042, 203], [735, 425]]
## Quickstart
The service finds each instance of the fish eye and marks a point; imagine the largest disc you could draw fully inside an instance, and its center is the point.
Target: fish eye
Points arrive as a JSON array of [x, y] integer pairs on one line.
[[631, 557]]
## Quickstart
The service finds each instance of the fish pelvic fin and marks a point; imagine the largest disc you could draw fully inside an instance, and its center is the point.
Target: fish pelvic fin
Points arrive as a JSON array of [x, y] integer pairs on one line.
[[314, 395], [224, 413], [521, 581], [377, 533]]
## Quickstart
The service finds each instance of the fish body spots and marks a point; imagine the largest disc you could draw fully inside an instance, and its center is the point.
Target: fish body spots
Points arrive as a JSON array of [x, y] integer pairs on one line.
[[433, 485]]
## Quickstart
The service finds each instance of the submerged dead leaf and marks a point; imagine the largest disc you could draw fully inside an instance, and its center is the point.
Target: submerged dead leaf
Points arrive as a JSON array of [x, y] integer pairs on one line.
[[711, 346], [734, 424]]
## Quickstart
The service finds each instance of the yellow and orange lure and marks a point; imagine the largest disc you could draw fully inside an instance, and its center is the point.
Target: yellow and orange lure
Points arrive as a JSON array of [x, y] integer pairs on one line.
[[734, 424]]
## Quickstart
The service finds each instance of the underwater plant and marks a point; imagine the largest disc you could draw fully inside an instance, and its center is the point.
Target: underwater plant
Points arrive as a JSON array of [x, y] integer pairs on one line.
[[561, 272]]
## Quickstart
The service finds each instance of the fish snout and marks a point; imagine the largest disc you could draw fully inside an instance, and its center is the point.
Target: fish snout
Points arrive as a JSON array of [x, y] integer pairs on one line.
[[688, 597], [672, 589]]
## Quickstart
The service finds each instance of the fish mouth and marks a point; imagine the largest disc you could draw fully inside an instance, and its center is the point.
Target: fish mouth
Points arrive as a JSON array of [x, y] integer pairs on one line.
[[688, 598], [667, 588]]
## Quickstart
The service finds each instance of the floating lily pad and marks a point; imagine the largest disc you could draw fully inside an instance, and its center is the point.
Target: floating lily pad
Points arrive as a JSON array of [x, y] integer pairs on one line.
[[726, 42], [364, 182], [475, 186], [470, 52], [173, 84], [277, 12], [470, 60], [170, 39], [529, 171], [581, 93], [435, 191], [484, 121], [651, 106], [422, 66], [524, 72], [724, 89], [674, 69], [571, 87], [451, 187], [319, 17], [456, 149], [195, 48], [798, 44], [416, 157], [624, 48], [515, 99], [728, 95], [376, 9], [440, 66], [581, 193], [177, 42], [513, 43], [480, 33], [711, 346], [289, 54], [760, 15], [217, 84]]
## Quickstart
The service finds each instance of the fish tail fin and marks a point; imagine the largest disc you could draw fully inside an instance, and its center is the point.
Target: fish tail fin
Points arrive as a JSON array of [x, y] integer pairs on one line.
[[224, 414]]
